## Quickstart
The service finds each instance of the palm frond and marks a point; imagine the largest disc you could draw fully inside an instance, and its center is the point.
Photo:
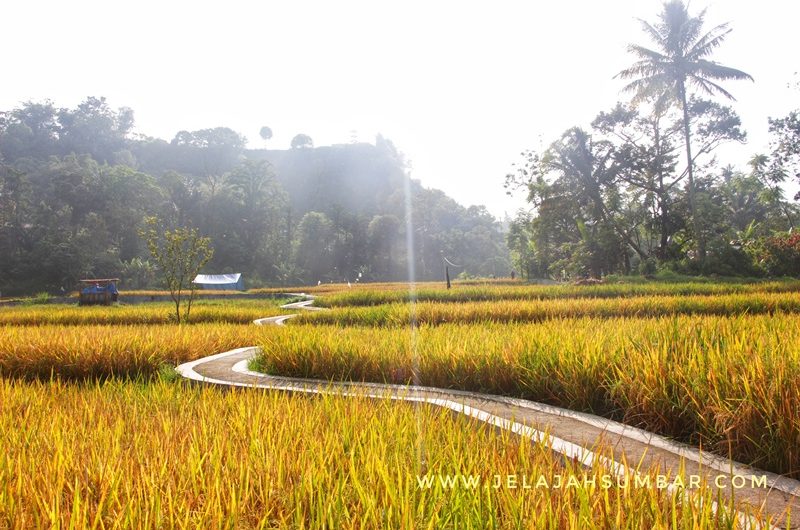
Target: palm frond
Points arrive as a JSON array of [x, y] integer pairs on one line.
[[650, 87], [712, 70], [636, 86], [692, 29], [640, 69], [646, 53], [709, 87], [655, 35], [708, 42], [676, 24]]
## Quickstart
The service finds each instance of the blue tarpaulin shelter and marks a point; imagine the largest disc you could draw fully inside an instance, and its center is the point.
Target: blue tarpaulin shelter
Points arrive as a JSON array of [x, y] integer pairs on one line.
[[98, 291], [222, 282]]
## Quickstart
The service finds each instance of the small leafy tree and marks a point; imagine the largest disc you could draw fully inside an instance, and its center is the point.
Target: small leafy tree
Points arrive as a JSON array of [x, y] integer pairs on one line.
[[302, 141], [180, 255], [265, 133]]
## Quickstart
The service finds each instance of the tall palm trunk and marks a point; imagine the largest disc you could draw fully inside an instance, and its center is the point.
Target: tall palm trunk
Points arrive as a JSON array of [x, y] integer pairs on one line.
[[690, 189]]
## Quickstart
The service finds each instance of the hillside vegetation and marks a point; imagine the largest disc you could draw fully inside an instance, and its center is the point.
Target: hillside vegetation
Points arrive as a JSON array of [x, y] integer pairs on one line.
[[76, 185]]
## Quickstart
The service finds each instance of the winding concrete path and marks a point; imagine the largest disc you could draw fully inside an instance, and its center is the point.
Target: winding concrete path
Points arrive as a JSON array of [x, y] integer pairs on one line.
[[572, 435]]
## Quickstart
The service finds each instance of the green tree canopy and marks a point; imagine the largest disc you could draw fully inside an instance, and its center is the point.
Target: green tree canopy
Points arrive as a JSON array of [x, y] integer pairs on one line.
[[680, 61], [302, 141], [180, 255]]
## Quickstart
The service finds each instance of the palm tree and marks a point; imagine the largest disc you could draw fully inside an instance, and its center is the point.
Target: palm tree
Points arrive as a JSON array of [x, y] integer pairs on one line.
[[679, 61]]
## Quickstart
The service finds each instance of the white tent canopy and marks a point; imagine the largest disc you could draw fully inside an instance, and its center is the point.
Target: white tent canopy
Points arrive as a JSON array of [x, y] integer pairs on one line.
[[217, 279], [220, 282]]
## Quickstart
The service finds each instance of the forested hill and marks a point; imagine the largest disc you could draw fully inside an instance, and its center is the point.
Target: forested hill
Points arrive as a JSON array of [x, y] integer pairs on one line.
[[358, 177], [76, 185]]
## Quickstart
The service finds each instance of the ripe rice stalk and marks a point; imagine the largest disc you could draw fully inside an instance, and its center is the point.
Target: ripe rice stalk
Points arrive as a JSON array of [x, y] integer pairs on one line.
[[434, 313], [366, 295], [730, 383], [102, 351], [122, 455], [206, 311]]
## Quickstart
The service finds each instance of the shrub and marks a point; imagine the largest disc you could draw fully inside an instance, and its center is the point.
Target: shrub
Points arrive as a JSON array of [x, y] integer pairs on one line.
[[779, 255]]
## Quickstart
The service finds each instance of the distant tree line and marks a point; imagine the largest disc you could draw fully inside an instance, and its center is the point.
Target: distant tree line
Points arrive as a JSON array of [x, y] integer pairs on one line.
[[76, 186], [642, 190]]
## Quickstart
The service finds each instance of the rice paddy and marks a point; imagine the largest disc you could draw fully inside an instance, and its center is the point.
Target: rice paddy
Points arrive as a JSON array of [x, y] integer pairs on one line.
[[119, 455], [730, 383], [98, 433], [205, 311], [399, 314], [103, 351], [333, 296]]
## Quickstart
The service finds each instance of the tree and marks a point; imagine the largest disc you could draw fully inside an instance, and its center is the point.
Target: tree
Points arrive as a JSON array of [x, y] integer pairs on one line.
[[771, 175], [302, 141], [644, 149], [95, 128], [383, 231], [519, 240], [138, 273], [180, 255], [313, 247], [39, 130], [786, 147], [778, 255], [31, 130], [259, 203], [266, 133], [680, 60], [66, 214], [210, 153]]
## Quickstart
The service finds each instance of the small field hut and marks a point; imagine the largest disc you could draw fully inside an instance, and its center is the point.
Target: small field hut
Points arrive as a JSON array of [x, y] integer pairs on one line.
[[220, 282]]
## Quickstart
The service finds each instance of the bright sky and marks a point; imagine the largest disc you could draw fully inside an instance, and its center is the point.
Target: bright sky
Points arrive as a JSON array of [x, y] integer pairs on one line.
[[461, 87]]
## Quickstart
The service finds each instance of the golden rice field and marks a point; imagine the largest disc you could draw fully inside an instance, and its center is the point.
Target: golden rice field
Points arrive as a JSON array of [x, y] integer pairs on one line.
[[329, 288], [239, 312], [731, 383], [200, 293], [362, 295], [97, 433], [101, 351], [399, 314], [125, 295], [161, 455]]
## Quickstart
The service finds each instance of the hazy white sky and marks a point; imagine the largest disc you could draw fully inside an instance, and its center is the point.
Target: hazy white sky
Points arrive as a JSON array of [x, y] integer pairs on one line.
[[460, 87]]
